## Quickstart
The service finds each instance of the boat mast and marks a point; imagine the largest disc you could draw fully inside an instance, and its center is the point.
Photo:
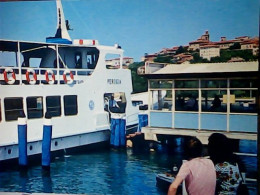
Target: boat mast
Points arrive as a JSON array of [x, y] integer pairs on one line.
[[62, 35], [62, 31]]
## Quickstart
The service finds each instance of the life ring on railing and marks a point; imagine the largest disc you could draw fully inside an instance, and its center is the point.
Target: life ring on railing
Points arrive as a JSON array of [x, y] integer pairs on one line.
[[32, 80], [11, 79], [49, 79], [68, 77]]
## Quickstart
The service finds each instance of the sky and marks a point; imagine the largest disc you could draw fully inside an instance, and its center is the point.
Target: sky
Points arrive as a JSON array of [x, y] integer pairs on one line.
[[138, 26]]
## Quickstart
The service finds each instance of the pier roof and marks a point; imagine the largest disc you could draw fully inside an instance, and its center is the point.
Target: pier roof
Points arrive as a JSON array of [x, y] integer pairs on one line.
[[206, 70]]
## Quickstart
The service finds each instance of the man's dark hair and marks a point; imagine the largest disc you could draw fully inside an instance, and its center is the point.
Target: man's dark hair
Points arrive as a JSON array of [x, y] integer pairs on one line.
[[219, 148], [193, 148]]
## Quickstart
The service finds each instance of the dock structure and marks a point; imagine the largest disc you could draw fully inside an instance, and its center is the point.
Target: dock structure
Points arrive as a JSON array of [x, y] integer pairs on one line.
[[201, 99], [150, 133]]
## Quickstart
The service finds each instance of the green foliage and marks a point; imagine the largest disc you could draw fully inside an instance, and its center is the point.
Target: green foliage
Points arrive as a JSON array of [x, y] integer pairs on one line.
[[235, 46], [163, 59], [226, 55], [140, 83], [198, 59], [181, 50]]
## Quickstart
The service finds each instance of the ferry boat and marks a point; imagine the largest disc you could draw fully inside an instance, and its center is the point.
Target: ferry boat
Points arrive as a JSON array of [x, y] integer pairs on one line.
[[68, 79]]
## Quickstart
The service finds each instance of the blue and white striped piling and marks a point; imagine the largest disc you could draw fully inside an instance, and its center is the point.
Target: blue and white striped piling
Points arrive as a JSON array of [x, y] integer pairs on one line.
[[46, 142], [22, 141], [122, 133], [118, 128]]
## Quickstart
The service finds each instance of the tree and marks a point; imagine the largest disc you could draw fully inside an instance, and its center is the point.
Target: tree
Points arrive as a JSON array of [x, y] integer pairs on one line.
[[235, 46], [198, 59], [181, 50], [140, 84], [163, 59]]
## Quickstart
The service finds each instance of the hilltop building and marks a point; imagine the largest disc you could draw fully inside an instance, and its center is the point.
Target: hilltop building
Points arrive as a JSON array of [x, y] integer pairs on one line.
[[149, 57], [182, 58], [209, 51], [203, 40], [206, 48], [224, 43], [252, 44]]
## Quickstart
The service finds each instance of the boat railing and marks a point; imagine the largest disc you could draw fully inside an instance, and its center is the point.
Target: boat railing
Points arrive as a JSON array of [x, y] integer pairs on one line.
[[31, 75]]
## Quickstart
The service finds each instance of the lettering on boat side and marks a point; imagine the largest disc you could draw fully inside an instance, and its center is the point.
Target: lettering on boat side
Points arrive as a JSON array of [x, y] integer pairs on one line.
[[114, 81], [91, 104]]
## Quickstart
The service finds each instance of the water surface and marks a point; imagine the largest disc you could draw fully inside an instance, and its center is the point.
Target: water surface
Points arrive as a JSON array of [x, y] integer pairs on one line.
[[102, 171]]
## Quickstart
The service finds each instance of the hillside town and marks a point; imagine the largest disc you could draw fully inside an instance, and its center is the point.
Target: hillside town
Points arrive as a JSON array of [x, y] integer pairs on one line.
[[202, 50], [207, 49]]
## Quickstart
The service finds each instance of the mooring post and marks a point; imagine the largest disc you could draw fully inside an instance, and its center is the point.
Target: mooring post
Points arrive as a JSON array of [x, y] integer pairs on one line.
[[46, 142], [117, 132], [22, 141], [112, 131], [122, 132], [118, 128]]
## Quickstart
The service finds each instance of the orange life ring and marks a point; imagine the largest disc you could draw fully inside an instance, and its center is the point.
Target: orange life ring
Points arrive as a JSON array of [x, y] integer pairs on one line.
[[31, 80], [11, 79], [49, 79], [68, 77]]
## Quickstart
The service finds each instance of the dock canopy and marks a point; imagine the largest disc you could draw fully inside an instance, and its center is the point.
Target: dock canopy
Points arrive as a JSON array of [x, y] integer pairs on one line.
[[213, 70]]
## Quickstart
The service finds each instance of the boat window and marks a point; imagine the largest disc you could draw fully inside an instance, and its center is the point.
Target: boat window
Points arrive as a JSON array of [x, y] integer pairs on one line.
[[92, 58], [214, 101], [13, 108], [34, 107], [161, 100], [78, 60], [115, 102], [53, 105], [160, 84], [35, 62], [213, 83], [137, 102], [112, 61], [70, 105], [186, 100], [8, 59], [186, 84], [61, 63], [243, 101]]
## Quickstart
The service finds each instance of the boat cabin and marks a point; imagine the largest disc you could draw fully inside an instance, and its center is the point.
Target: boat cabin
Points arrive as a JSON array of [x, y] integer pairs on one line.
[[35, 63]]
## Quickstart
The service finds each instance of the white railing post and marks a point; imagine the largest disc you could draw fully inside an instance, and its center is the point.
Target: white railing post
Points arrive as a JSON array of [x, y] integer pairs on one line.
[[19, 62]]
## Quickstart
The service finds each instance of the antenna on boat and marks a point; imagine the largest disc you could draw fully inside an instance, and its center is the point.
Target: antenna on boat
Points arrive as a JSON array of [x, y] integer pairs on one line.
[[62, 35]]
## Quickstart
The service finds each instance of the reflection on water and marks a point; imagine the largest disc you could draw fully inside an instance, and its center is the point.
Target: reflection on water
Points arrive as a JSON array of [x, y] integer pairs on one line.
[[97, 172]]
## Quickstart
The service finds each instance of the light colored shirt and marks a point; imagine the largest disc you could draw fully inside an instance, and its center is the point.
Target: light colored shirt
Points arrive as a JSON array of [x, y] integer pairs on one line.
[[228, 178], [199, 175]]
